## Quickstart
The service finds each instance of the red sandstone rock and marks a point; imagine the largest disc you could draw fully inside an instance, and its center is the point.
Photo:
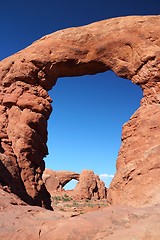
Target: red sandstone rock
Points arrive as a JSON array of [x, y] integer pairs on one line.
[[56, 180], [90, 186], [137, 181], [129, 46], [25, 110], [19, 221]]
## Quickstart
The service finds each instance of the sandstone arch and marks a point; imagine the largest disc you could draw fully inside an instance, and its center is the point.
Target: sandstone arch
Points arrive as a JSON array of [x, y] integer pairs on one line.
[[56, 180], [88, 184], [129, 46]]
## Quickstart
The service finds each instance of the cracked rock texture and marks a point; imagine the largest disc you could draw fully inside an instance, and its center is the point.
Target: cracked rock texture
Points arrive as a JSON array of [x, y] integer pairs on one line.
[[129, 46]]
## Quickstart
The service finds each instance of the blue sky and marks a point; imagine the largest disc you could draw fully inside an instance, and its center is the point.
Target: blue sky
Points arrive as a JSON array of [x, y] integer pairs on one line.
[[86, 124]]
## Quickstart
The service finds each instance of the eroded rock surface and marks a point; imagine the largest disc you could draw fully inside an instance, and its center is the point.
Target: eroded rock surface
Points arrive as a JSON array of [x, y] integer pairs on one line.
[[137, 181], [56, 180], [90, 186], [18, 221], [23, 126], [129, 46]]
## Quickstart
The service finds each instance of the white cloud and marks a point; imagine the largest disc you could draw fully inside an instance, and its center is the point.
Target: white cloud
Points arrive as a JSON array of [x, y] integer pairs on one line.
[[106, 176]]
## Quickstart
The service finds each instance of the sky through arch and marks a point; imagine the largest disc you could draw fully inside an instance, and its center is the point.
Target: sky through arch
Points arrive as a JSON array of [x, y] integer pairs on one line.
[[71, 185], [86, 123]]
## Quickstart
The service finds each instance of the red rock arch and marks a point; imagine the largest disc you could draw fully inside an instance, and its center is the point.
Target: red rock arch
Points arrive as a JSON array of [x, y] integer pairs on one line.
[[130, 47], [56, 180]]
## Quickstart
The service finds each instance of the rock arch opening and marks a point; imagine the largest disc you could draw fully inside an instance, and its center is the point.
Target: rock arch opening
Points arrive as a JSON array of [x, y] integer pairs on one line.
[[86, 122], [71, 184], [130, 47]]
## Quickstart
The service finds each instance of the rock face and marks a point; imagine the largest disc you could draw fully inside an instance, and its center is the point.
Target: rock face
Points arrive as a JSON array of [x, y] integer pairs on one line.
[[137, 181], [90, 186], [56, 180], [129, 46], [23, 127]]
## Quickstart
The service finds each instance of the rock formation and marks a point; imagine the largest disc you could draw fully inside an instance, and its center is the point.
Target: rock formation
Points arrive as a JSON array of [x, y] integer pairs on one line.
[[23, 127], [137, 181], [90, 186], [56, 180], [30, 222], [129, 46], [110, 223]]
